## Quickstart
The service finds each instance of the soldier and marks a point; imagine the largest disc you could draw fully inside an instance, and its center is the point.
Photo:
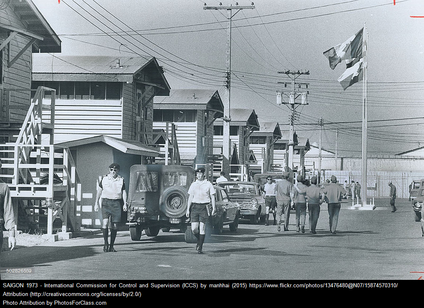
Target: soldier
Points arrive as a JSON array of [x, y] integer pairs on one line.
[[334, 193], [270, 199], [313, 196], [300, 203], [284, 192], [201, 195], [111, 190]]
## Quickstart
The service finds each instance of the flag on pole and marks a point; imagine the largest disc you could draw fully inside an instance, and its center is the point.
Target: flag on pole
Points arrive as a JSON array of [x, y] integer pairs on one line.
[[351, 75], [351, 51]]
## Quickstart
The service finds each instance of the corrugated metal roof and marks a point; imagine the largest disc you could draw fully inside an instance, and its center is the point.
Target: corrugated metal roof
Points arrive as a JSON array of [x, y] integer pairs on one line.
[[59, 64], [193, 99]]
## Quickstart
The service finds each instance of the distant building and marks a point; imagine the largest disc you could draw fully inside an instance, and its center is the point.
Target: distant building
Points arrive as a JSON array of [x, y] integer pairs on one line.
[[262, 144], [243, 123], [193, 112]]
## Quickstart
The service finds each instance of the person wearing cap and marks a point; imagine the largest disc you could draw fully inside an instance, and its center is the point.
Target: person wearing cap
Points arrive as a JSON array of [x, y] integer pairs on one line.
[[313, 196], [7, 215], [201, 196], [392, 197], [300, 203], [284, 194], [334, 194], [270, 199], [111, 191]]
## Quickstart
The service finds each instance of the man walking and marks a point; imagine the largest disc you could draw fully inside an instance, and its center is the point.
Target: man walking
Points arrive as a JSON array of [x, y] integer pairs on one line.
[[313, 196], [270, 199], [392, 197], [334, 193], [111, 190], [7, 215], [284, 193], [201, 195], [300, 203]]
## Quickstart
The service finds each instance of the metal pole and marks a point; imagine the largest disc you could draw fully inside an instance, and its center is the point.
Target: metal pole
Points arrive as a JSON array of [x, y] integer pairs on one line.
[[226, 146]]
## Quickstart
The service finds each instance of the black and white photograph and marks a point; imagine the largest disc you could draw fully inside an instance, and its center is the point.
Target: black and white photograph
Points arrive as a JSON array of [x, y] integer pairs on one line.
[[159, 145]]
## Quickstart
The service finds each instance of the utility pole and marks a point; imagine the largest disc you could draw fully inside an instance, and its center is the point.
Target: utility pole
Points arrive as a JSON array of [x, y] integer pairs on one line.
[[226, 147], [292, 104]]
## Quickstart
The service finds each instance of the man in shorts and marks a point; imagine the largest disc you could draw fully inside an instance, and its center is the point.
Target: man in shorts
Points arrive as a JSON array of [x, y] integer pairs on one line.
[[201, 195], [111, 190]]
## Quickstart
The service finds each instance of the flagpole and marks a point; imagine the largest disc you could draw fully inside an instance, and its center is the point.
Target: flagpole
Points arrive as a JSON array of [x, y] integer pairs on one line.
[[364, 120]]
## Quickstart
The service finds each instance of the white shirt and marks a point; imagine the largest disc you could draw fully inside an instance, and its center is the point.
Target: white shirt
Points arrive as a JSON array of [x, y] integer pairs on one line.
[[201, 191]]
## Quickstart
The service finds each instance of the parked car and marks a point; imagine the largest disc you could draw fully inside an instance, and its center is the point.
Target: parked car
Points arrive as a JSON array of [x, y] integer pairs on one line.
[[248, 195], [414, 189], [157, 198], [227, 213]]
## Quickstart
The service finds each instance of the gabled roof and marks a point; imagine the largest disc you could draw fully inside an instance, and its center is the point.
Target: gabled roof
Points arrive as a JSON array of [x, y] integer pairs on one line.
[[242, 117], [35, 25], [269, 129], [48, 67], [190, 99], [125, 146]]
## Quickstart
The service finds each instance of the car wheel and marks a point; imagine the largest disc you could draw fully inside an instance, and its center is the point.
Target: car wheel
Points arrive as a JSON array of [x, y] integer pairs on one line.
[[135, 233], [234, 224], [173, 201], [152, 231]]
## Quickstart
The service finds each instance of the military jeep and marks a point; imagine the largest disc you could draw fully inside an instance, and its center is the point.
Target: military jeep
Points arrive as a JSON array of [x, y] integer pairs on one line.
[[157, 198]]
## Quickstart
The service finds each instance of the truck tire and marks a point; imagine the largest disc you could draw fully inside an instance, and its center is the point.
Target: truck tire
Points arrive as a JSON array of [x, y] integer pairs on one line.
[[173, 201], [135, 233], [152, 231]]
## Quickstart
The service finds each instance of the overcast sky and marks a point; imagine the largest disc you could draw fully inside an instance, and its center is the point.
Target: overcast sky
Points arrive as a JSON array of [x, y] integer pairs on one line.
[[190, 43]]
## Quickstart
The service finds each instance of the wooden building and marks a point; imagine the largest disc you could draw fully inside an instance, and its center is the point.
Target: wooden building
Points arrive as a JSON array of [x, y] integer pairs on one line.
[[101, 95], [262, 143], [193, 112], [243, 123], [23, 31]]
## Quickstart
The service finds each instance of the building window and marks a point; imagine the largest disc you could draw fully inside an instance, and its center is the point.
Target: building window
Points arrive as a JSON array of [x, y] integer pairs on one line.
[[82, 90], [257, 140], [234, 130], [174, 116], [218, 131], [113, 90], [66, 90], [98, 90]]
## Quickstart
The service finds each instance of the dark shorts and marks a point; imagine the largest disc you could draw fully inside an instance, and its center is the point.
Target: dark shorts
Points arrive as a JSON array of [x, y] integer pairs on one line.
[[111, 208], [271, 202], [199, 213]]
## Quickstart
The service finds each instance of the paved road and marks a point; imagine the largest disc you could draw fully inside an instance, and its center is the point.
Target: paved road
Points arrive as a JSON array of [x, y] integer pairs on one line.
[[369, 245]]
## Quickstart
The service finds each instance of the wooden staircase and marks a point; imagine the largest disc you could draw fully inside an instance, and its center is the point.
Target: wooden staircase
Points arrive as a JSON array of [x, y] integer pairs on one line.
[[43, 181]]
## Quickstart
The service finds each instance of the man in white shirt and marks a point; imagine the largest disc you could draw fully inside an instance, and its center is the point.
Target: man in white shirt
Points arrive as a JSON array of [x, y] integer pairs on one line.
[[111, 190], [270, 193], [201, 195], [221, 178]]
